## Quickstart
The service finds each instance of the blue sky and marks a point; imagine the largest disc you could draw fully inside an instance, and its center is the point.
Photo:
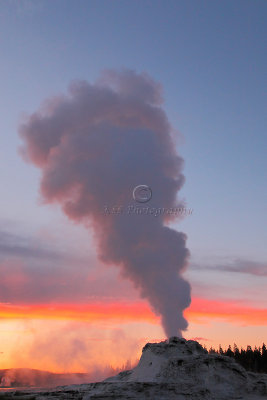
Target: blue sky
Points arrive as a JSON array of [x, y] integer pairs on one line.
[[208, 55]]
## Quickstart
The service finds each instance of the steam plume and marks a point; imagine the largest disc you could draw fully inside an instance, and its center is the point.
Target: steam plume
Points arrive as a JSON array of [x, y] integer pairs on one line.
[[94, 146]]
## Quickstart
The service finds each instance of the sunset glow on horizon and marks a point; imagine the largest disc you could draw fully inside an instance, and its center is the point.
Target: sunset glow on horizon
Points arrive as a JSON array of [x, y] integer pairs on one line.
[[85, 323], [200, 310]]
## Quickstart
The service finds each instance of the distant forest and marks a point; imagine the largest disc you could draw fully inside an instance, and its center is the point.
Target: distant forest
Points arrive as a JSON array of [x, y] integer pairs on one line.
[[252, 360]]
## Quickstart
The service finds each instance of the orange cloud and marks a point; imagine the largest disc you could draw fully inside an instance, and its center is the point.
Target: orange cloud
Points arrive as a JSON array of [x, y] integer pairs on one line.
[[120, 312], [201, 310]]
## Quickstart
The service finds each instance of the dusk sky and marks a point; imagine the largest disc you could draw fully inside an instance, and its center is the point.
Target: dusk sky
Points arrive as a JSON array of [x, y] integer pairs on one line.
[[62, 307]]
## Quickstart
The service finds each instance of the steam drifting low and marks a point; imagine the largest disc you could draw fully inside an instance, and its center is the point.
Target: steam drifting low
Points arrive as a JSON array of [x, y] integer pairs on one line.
[[94, 146]]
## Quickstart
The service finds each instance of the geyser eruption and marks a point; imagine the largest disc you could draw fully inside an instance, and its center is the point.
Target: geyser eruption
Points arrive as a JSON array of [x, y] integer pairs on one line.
[[94, 146]]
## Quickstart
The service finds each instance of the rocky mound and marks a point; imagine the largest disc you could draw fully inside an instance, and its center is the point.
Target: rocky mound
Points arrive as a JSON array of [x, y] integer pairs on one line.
[[181, 369], [176, 369]]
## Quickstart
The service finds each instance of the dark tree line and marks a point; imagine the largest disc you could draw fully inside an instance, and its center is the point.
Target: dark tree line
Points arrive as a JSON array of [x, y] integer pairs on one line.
[[252, 360]]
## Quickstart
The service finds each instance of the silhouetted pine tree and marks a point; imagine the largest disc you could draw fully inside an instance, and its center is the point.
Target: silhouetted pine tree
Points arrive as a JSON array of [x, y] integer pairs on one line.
[[252, 360], [229, 352], [264, 358]]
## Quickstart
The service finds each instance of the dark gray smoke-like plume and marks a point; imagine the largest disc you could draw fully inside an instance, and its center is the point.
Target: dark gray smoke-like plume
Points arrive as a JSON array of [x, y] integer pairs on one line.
[[94, 146]]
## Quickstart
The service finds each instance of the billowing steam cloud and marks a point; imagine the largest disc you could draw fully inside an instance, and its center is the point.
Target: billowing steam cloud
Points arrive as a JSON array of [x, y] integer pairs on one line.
[[94, 146]]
